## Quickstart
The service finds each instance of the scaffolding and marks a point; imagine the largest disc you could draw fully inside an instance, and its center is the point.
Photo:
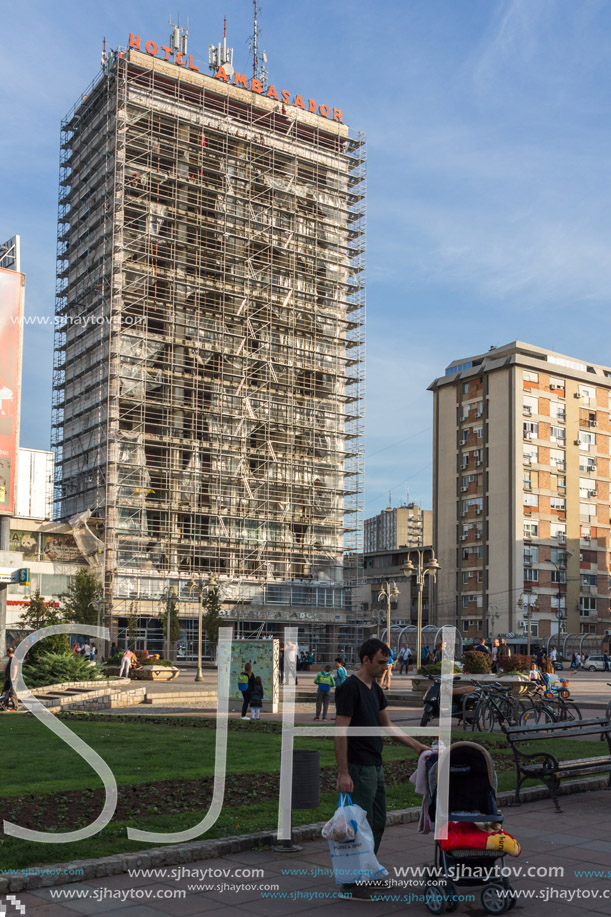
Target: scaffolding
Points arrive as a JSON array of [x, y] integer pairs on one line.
[[209, 353]]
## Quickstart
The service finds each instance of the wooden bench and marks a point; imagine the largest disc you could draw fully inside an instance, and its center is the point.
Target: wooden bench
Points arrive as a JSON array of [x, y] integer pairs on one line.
[[544, 765]]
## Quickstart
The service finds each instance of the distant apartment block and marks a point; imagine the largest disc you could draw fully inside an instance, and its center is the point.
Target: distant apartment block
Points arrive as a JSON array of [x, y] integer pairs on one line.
[[404, 526], [521, 493]]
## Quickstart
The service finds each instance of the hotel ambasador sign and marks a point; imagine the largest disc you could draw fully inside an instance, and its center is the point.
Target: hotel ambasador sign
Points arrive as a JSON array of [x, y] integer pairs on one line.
[[239, 79]]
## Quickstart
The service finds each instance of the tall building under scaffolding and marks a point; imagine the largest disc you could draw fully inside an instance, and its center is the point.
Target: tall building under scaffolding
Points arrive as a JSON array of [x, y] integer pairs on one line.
[[208, 374]]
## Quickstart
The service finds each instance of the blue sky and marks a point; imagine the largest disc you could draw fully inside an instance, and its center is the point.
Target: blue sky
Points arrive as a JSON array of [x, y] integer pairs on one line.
[[489, 204]]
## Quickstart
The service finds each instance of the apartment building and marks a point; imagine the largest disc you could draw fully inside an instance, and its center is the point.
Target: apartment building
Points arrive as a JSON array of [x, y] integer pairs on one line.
[[402, 526], [521, 493]]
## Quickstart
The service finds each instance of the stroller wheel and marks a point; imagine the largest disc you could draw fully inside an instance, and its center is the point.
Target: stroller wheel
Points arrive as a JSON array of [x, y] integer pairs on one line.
[[435, 898], [494, 898], [451, 897], [511, 895]]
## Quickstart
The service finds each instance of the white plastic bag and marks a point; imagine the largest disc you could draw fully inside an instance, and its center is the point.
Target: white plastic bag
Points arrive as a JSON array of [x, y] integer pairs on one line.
[[351, 844]]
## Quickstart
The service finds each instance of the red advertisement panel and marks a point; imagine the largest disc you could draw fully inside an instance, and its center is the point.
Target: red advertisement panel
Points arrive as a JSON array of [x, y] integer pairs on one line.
[[12, 288]]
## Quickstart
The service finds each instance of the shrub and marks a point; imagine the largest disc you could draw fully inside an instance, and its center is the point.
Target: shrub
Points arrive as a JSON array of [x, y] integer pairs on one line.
[[476, 663], [151, 661], [435, 669], [516, 663], [58, 668]]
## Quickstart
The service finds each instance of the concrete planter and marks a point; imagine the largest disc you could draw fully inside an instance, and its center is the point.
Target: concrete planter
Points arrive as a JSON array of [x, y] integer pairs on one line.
[[420, 683], [156, 673]]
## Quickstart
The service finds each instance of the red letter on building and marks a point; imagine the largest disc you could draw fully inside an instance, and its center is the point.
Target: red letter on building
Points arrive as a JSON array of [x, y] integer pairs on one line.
[[298, 103], [272, 94], [221, 75], [312, 106], [240, 80], [324, 110], [286, 96], [178, 59], [338, 115], [134, 41], [166, 52], [256, 85], [191, 64], [151, 47]]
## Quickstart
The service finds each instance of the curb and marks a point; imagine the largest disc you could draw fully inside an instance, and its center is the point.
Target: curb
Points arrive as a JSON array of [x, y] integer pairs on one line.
[[177, 854]]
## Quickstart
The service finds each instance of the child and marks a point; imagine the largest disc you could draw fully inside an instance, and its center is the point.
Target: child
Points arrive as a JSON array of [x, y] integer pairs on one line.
[[256, 699]]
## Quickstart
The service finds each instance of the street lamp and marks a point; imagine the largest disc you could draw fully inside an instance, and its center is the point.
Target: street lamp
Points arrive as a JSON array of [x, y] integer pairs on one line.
[[492, 615], [422, 570], [527, 609], [387, 592], [559, 568]]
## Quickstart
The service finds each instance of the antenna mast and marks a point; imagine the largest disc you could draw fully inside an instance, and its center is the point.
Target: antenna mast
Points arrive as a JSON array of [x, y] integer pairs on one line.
[[259, 70], [178, 38], [220, 55]]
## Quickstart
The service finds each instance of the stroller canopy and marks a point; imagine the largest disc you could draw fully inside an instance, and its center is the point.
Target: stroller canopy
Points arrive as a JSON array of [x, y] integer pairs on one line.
[[472, 779]]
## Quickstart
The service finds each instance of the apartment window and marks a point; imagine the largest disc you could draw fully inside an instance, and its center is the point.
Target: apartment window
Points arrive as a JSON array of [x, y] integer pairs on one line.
[[465, 388], [530, 405], [531, 555], [528, 480], [556, 384], [556, 458], [587, 488], [531, 499], [531, 576], [529, 376], [588, 579], [465, 579], [588, 605], [559, 576], [465, 601], [558, 482], [531, 454], [530, 429], [586, 439], [587, 464], [558, 503], [587, 509], [585, 532], [558, 410], [531, 529], [587, 393], [480, 576], [558, 602], [559, 556], [558, 531], [557, 434], [479, 432]]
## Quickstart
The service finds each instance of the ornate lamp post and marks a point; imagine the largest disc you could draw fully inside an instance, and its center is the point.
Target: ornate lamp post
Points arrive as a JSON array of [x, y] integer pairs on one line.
[[387, 592], [422, 569]]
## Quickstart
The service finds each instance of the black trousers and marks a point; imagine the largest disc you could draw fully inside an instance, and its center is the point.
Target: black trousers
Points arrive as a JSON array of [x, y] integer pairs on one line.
[[245, 702]]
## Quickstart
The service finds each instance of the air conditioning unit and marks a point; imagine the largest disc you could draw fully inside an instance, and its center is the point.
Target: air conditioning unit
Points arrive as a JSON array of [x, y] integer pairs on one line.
[[577, 442], [608, 633], [577, 395], [527, 409], [463, 537], [593, 423], [478, 512], [478, 414], [464, 488], [593, 493], [478, 462]]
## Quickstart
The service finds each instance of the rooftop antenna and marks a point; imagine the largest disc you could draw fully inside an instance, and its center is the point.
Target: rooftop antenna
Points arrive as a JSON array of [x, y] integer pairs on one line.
[[390, 499], [178, 38], [259, 70], [103, 59], [220, 55]]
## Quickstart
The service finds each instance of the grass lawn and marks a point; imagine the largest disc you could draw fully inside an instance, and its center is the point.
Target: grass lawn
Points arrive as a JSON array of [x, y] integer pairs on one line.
[[164, 769]]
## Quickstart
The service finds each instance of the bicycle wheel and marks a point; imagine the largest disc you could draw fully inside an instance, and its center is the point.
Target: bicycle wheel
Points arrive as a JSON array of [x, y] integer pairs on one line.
[[569, 711], [546, 714], [486, 716], [510, 710], [530, 714], [608, 711]]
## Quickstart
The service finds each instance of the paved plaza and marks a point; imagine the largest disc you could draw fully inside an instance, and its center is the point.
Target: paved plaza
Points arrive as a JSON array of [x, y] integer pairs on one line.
[[576, 844]]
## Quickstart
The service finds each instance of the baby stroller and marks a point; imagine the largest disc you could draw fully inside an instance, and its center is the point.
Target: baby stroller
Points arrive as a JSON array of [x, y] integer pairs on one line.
[[8, 700], [472, 799]]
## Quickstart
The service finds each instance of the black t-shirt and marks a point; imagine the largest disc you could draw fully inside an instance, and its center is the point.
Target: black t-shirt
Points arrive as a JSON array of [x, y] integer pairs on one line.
[[362, 705]]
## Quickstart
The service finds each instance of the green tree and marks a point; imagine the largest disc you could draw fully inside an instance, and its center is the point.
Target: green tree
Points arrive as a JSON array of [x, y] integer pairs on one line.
[[171, 620], [80, 601], [212, 614], [36, 615]]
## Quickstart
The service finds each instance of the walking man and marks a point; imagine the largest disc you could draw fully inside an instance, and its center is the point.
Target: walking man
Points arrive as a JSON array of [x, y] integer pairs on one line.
[[360, 702]]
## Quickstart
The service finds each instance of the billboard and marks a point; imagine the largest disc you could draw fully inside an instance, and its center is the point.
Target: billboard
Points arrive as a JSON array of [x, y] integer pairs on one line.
[[12, 289]]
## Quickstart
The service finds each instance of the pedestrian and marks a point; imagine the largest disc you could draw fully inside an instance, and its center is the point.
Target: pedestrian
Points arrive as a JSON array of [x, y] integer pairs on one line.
[[281, 663], [361, 702], [76, 649], [93, 651], [578, 661], [494, 654], [553, 655], [605, 662], [7, 685], [325, 682], [387, 676], [504, 653], [86, 649], [403, 657], [424, 655], [340, 671], [249, 681], [129, 659], [256, 699]]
